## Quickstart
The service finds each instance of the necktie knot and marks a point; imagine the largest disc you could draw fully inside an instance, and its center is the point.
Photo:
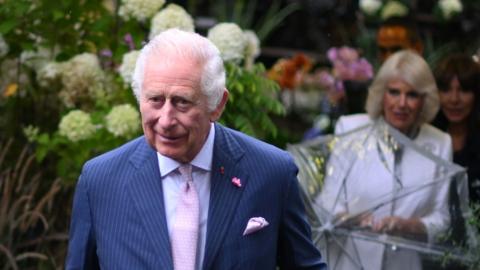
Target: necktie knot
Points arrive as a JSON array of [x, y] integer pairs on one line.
[[186, 172]]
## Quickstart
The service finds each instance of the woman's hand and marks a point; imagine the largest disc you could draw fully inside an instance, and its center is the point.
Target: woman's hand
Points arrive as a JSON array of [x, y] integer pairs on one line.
[[345, 220], [405, 227]]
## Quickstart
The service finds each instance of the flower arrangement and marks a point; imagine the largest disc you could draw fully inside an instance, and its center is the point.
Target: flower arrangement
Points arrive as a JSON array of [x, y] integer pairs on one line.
[[444, 9], [322, 89], [289, 72], [347, 65]]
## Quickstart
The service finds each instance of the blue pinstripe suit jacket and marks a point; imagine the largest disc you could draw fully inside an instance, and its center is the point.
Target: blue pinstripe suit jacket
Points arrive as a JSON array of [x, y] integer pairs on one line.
[[118, 219]]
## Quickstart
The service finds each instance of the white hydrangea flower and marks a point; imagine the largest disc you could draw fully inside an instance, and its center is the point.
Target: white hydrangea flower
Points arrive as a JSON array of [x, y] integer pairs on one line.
[[128, 66], [123, 120], [173, 16], [140, 10], [229, 39], [3, 46], [252, 50], [450, 7], [253, 44], [49, 73], [36, 59], [82, 78], [370, 7], [394, 9], [76, 126]]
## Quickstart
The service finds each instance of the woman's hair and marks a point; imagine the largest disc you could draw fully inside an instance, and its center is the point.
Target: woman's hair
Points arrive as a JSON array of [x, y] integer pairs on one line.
[[410, 67], [175, 45], [467, 71]]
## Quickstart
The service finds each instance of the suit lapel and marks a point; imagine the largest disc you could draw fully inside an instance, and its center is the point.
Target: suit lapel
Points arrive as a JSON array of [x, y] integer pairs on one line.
[[224, 195], [146, 190]]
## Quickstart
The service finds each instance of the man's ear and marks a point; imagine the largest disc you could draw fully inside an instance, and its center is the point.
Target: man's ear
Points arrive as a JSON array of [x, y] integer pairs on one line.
[[215, 115]]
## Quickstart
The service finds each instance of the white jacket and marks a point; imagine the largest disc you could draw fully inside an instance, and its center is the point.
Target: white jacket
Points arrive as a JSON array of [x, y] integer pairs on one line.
[[364, 170]]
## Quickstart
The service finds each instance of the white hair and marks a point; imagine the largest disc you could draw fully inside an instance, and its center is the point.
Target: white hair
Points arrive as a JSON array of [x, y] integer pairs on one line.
[[175, 45], [412, 68]]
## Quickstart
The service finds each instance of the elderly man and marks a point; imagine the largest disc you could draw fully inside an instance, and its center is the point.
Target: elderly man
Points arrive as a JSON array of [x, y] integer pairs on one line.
[[190, 193]]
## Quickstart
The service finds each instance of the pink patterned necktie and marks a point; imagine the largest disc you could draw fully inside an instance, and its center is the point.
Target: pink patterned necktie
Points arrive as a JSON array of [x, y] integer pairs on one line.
[[185, 228]]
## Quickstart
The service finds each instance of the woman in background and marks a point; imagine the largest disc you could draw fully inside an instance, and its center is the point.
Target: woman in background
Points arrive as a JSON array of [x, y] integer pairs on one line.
[[458, 80], [379, 157]]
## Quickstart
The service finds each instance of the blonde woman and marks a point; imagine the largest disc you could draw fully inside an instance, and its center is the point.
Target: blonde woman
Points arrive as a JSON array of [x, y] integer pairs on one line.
[[383, 176]]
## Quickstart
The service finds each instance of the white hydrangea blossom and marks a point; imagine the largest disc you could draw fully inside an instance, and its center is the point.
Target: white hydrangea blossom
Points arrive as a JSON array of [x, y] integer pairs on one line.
[[76, 126], [128, 66], [229, 39], [140, 10], [450, 7], [370, 7], [173, 16], [123, 120], [252, 50], [253, 44], [36, 59], [82, 78], [49, 74], [3, 46], [392, 9]]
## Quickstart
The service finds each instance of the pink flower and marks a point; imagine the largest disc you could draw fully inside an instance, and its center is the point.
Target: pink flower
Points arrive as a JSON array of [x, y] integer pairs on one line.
[[348, 66], [326, 79], [347, 54], [332, 54]]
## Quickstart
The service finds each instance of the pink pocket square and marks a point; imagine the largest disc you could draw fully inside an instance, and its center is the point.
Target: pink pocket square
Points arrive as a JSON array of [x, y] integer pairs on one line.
[[255, 224]]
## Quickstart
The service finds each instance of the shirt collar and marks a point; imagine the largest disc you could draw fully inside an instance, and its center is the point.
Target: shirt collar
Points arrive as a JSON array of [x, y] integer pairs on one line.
[[202, 160]]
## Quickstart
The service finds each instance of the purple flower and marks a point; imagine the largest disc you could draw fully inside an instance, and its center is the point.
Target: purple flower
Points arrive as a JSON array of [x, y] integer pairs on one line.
[[347, 54], [348, 66], [326, 79], [332, 54], [106, 53], [129, 41]]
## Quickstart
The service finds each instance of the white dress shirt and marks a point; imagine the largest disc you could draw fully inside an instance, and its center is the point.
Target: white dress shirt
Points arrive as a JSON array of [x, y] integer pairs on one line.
[[171, 183]]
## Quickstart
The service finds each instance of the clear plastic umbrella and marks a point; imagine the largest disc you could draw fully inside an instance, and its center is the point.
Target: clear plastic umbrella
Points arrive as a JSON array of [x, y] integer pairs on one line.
[[355, 181]]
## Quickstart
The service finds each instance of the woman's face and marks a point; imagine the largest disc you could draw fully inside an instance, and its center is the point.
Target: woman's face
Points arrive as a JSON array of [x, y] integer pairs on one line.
[[456, 103], [401, 105]]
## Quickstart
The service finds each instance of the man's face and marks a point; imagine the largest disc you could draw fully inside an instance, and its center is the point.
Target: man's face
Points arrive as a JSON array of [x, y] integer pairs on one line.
[[392, 38], [401, 105], [175, 117]]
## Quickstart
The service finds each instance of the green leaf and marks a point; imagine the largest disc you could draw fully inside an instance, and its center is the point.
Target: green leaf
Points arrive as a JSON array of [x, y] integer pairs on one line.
[[7, 26]]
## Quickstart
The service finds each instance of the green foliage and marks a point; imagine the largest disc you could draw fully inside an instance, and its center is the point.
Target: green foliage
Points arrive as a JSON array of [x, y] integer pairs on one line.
[[252, 101]]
